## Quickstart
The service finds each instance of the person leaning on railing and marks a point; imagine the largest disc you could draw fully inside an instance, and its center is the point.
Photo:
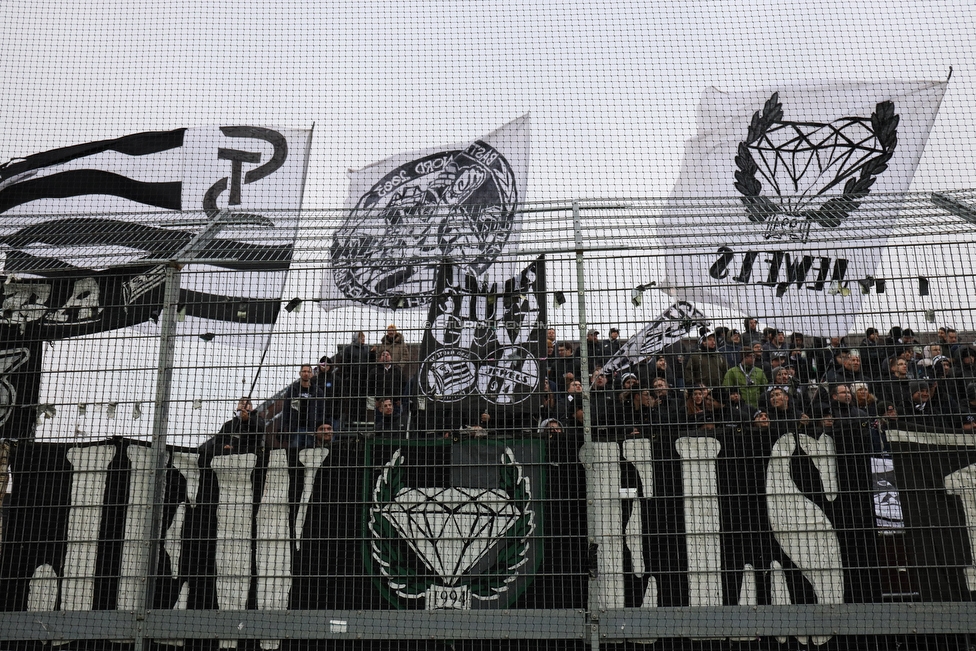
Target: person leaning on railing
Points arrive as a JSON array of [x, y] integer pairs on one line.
[[242, 434]]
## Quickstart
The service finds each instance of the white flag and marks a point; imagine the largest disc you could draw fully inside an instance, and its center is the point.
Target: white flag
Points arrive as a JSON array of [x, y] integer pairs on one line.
[[674, 324], [411, 212], [799, 171], [82, 226]]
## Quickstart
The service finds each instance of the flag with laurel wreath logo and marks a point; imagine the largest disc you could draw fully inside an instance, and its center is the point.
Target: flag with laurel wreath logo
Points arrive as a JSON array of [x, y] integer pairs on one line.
[[779, 183]]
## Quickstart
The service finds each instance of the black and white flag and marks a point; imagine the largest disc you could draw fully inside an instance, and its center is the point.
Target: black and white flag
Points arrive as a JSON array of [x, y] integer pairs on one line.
[[800, 163], [410, 211], [20, 381], [673, 324], [482, 351], [85, 228]]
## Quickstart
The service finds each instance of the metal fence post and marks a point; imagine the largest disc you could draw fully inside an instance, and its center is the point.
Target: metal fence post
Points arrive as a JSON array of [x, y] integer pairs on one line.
[[157, 478], [581, 302], [593, 598]]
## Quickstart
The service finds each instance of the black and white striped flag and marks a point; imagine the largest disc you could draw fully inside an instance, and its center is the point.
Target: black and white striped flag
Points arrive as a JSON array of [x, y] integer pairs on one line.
[[85, 229]]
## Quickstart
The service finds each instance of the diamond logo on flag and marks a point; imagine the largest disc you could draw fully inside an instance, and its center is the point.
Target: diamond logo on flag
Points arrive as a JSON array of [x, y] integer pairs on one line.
[[814, 168], [470, 540], [818, 155], [451, 529], [803, 161]]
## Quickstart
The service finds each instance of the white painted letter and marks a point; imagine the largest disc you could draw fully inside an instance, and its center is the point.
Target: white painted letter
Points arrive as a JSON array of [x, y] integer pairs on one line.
[[800, 526], [273, 548], [88, 480], [962, 484], [703, 541], [233, 552]]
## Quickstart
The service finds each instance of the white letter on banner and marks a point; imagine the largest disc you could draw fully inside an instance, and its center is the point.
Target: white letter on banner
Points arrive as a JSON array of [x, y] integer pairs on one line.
[[42, 591], [88, 480], [703, 541], [135, 546], [186, 463], [233, 543], [962, 484], [602, 463], [24, 303], [800, 527], [84, 298], [172, 542], [311, 459], [273, 548], [526, 322], [640, 453]]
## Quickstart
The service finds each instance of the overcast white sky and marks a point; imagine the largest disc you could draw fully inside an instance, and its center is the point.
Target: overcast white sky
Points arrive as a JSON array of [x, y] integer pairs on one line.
[[612, 87]]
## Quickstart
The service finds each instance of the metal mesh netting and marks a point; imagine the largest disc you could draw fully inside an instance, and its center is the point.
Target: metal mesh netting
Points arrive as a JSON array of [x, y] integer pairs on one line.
[[471, 459], [313, 378]]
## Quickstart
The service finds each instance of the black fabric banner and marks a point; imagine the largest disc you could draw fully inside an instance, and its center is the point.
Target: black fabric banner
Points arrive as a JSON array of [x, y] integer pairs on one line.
[[20, 383], [482, 353], [466, 521], [51, 309], [689, 517], [936, 474], [355, 500]]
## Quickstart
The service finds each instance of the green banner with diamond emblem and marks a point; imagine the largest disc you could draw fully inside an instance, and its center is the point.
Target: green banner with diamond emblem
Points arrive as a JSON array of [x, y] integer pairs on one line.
[[454, 524]]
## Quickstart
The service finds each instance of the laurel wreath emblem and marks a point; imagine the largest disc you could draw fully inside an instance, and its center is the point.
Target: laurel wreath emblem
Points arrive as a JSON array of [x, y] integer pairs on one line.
[[389, 550], [514, 547], [884, 124], [386, 544]]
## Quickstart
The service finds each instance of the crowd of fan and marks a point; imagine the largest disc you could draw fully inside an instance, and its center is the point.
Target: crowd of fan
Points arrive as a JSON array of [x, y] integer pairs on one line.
[[752, 379], [363, 384], [736, 381]]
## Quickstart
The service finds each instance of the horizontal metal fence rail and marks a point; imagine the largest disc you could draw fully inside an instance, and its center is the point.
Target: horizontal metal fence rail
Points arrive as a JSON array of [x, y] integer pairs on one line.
[[297, 624], [613, 625]]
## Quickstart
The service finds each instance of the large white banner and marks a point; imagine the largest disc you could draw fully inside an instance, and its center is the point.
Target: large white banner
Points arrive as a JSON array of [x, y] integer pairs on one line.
[[413, 211], [799, 170], [112, 209]]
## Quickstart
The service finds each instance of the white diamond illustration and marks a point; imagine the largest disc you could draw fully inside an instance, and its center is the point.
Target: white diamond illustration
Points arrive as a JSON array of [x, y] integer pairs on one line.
[[809, 159], [451, 529]]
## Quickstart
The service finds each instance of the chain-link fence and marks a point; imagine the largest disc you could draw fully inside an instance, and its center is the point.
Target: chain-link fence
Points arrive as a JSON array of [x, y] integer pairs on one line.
[[426, 434]]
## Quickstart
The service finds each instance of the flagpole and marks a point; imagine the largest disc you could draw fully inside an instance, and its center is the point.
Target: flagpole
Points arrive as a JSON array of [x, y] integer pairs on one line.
[[164, 385], [301, 200]]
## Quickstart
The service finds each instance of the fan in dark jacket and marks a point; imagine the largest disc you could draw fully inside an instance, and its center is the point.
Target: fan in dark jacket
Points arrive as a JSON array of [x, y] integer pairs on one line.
[[242, 434]]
